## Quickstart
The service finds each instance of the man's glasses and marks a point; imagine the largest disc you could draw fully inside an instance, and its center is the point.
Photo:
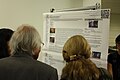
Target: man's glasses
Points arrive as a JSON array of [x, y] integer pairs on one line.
[[42, 44]]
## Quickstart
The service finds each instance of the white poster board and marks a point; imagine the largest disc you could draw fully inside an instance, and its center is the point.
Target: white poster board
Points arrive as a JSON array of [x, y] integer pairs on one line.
[[59, 26]]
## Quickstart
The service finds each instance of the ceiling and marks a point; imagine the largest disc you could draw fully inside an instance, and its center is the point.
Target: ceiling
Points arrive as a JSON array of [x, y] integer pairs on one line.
[[114, 5]]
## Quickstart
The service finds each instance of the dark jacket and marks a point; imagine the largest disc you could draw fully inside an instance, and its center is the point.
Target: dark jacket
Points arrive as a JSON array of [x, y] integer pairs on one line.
[[22, 66]]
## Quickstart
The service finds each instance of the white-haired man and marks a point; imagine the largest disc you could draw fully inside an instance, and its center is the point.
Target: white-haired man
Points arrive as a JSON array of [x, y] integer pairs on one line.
[[25, 46]]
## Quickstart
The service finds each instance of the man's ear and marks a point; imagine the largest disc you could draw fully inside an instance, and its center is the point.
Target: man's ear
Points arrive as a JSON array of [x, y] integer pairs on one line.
[[36, 52]]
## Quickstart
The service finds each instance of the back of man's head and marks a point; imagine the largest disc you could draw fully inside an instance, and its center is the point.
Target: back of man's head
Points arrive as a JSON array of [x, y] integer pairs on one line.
[[25, 38]]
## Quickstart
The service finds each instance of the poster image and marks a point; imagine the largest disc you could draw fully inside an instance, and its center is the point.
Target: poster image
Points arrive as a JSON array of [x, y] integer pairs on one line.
[[96, 54], [52, 39], [105, 13], [93, 24], [52, 30]]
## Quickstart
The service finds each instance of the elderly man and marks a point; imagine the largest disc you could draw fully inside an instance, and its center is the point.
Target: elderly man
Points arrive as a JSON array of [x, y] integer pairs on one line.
[[25, 46]]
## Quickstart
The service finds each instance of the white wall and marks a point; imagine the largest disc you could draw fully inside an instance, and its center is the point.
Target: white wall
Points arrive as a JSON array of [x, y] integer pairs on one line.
[[76, 3], [16, 12], [90, 2]]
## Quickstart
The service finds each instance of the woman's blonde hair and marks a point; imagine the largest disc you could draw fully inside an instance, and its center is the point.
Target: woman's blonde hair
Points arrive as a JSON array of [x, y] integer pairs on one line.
[[25, 38], [76, 52]]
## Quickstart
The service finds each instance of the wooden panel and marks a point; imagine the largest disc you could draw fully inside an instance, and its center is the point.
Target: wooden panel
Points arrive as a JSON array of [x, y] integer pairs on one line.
[[114, 28], [114, 5]]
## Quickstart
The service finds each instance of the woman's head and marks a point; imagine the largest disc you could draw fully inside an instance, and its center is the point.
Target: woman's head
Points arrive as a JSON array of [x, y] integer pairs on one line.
[[76, 46], [25, 38], [76, 52], [5, 35]]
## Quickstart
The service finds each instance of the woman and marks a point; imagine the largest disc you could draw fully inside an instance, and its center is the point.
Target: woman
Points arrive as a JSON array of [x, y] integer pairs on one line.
[[76, 53]]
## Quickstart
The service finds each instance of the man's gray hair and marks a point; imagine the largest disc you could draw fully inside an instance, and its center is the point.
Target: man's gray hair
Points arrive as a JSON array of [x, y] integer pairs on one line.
[[25, 38]]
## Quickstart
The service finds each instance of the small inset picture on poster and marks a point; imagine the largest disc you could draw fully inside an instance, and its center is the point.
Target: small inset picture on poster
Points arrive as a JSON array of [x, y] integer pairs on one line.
[[105, 13], [93, 24], [96, 54], [52, 39], [52, 30]]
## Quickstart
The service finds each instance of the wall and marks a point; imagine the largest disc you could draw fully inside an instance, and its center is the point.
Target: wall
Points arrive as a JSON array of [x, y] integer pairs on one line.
[[76, 3], [90, 2], [114, 5], [114, 28], [16, 12]]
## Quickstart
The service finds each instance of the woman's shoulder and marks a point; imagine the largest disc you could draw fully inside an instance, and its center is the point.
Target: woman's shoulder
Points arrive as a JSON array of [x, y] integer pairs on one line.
[[105, 75]]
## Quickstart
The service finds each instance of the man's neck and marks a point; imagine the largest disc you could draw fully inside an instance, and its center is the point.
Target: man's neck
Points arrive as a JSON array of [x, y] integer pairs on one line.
[[119, 52]]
